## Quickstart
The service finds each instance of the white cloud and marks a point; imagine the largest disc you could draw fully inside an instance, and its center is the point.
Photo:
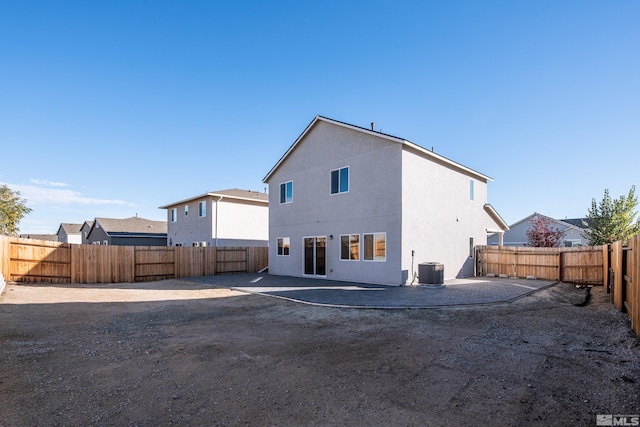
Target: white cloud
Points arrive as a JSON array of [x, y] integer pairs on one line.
[[37, 195], [48, 183]]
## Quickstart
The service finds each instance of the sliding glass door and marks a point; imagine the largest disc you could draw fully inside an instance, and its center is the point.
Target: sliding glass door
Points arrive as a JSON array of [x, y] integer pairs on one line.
[[315, 256]]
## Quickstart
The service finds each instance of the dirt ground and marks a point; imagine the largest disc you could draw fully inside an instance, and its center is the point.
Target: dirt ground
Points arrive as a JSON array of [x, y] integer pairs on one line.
[[177, 353]]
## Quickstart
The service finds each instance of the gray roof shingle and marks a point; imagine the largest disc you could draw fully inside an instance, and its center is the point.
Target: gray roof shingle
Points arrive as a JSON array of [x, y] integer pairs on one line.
[[132, 225]]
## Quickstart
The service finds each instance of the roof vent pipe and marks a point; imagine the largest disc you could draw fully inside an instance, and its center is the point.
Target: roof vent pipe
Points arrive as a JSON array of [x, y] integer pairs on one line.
[[372, 125]]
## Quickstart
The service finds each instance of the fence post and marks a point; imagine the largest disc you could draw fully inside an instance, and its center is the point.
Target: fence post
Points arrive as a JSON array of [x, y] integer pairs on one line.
[[560, 265], [616, 264], [634, 255], [4, 257], [605, 267]]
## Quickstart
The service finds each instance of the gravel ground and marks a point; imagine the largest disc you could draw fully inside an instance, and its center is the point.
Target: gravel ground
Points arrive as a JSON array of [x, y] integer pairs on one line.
[[175, 352]]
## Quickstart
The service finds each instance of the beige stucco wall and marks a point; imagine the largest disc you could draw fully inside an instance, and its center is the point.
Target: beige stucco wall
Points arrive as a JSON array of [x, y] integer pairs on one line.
[[227, 222], [421, 203], [189, 228], [240, 220], [439, 217], [372, 204]]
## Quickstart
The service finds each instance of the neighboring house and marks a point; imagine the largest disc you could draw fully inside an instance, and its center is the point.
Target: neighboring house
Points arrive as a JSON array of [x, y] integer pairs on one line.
[[232, 217], [49, 237], [350, 203], [132, 231], [517, 234], [84, 231], [69, 233]]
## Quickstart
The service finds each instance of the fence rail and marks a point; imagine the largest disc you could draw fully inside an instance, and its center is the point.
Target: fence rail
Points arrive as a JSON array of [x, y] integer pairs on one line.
[[29, 260], [584, 265]]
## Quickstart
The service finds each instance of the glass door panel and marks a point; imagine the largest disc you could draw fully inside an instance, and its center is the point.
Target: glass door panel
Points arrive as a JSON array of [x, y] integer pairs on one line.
[[315, 254]]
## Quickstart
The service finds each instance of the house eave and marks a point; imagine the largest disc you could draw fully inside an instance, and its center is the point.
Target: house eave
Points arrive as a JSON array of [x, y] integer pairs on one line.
[[496, 217], [404, 142], [212, 194], [446, 161]]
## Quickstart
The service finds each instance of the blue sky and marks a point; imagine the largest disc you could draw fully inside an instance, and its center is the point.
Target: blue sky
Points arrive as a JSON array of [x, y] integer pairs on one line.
[[111, 109]]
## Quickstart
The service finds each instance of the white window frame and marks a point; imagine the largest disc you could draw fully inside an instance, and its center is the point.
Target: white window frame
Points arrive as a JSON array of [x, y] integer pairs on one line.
[[364, 249], [339, 170], [283, 243], [289, 200], [349, 236], [472, 195], [174, 214], [186, 210], [202, 209]]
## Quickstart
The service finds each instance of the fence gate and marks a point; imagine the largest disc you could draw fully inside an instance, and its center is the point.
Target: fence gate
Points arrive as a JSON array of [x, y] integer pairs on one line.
[[231, 260]]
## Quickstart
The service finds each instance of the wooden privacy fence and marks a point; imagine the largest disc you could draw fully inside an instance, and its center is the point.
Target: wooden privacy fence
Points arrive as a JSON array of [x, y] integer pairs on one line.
[[584, 265], [29, 260], [624, 273]]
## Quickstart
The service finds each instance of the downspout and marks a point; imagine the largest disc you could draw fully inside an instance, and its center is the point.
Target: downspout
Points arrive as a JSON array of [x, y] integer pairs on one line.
[[216, 223]]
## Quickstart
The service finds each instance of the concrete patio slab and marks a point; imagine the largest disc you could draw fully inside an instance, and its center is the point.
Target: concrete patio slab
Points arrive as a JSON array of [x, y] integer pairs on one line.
[[456, 292]]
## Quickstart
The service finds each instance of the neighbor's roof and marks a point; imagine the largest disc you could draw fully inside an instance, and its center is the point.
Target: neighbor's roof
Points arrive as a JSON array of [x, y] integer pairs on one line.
[[422, 150], [70, 228], [49, 237], [578, 222], [232, 193], [562, 222], [132, 225]]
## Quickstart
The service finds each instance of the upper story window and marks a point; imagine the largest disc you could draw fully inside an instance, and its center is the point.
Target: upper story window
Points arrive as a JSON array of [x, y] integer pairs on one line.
[[186, 210], [202, 209], [286, 192], [471, 195], [340, 180], [174, 215]]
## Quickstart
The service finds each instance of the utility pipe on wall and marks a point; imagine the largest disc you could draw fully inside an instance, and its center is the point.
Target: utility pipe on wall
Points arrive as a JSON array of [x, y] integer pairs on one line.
[[216, 222]]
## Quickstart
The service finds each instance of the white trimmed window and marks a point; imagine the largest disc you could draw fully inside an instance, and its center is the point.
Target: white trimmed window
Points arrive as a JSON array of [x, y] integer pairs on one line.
[[350, 247], [186, 210], [340, 180], [471, 190], [286, 192], [202, 209], [174, 214], [375, 246], [284, 244], [572, 243]]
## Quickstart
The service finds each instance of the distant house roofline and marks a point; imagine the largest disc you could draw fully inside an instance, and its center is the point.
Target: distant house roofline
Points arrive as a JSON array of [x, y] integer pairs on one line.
[[233, 193], [567, 224]]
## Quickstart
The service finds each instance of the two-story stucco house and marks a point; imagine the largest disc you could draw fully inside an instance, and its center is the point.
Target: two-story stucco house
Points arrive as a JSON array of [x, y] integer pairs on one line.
[[350, 203], [231, 217]]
